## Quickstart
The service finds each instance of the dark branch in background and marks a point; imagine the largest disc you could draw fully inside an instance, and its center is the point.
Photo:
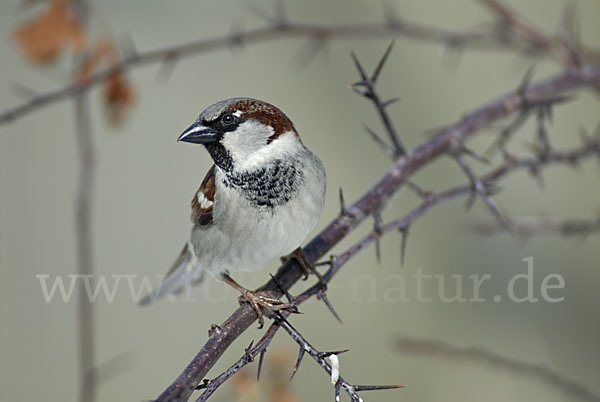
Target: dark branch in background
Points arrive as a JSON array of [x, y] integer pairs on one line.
[[85, 309], [533, 226], [507, 36], [515, 368], [531, 34]]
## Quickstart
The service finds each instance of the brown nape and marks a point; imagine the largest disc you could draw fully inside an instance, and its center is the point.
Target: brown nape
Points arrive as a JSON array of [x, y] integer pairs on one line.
[[265, 113]]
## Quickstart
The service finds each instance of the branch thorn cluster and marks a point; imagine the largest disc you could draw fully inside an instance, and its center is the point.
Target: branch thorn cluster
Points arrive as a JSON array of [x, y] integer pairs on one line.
[[366, 88]]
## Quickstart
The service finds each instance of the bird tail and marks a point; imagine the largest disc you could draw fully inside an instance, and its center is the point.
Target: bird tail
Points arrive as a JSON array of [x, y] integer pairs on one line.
[[185, 271]]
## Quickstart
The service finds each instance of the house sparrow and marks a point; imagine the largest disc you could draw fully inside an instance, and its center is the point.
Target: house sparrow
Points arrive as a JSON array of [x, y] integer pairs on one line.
[[261, 198]]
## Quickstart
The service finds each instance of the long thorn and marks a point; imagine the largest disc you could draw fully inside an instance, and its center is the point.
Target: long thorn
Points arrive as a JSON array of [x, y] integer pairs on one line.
[[389, 102], [404, 232], [283, 290], [377, 231], [323, 355], [260, 363], [476, 156], [298, 361], [424, 194], [343, 210], [525, 81], [482, 191], [359, 388], [359, 67], [388, 150], [323, 296], [247, 353], [382, 61]]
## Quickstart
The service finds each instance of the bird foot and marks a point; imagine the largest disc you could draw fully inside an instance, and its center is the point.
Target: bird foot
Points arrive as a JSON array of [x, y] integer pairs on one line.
[[307, 266], [263, 299], [259, 299]]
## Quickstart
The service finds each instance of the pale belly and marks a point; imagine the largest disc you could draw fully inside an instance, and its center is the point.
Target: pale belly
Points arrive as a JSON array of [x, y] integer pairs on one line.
[[244, 238]]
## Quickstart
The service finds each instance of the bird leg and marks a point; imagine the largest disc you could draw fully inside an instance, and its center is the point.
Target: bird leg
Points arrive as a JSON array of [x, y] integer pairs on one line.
[[258, 299], [305, 263]]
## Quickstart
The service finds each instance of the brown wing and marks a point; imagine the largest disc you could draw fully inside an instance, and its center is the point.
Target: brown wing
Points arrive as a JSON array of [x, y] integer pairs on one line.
[[202, 203]]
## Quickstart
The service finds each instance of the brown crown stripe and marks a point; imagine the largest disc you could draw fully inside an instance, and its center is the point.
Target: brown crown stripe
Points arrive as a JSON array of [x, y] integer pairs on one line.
[[265, 113]]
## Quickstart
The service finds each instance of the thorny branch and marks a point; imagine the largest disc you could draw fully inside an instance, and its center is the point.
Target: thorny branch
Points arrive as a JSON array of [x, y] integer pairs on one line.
[[319, 357], [376, 198], [514, 367], [504, 37], [366, 88], [590, 149]]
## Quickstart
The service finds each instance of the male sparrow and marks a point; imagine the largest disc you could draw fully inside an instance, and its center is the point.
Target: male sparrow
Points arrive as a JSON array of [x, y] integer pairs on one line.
[[260, 199]]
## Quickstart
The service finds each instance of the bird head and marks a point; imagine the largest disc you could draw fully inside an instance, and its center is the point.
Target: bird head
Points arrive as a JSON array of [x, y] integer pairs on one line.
[[243, 133]]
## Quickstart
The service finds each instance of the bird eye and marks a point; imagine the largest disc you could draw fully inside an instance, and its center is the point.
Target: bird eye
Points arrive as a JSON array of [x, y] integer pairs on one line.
[[228, 119]]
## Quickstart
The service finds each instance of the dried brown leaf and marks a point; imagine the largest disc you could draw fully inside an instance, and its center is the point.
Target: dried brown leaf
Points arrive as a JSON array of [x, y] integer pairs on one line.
[[45, 37], [118, 96]]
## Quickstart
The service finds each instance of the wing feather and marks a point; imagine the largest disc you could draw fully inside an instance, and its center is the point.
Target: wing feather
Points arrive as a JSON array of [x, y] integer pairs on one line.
[[202, 203], [183, 272]]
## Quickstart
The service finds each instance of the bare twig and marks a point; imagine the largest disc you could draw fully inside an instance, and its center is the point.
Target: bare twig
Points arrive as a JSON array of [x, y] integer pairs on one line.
[[85, 310], [319, 357], [474, 38], [366, 88], [210, 386], [514, 367], [533, 226], [590, 148], [481, 189], [538, 40]]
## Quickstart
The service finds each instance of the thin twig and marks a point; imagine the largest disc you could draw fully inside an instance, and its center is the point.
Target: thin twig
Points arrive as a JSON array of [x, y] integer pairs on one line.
[[210, 386], [479, 187], [319, 357], [527, 226], [532, 34], [475, 38], [85, 309], [366, 88]]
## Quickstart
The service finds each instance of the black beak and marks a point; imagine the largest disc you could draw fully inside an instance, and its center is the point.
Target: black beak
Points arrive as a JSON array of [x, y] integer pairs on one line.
[[198, 134]]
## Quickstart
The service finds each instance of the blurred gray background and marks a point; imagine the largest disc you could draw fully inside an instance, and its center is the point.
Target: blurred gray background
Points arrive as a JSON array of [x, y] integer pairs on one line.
[[145, 181]]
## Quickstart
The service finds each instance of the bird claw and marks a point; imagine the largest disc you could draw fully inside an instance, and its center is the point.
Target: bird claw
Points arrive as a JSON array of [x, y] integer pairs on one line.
[[263, 299], [306, 265], [259, 299]]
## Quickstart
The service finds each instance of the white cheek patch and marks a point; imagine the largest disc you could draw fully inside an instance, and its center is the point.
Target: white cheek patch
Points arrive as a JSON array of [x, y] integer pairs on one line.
[[203, 201]]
